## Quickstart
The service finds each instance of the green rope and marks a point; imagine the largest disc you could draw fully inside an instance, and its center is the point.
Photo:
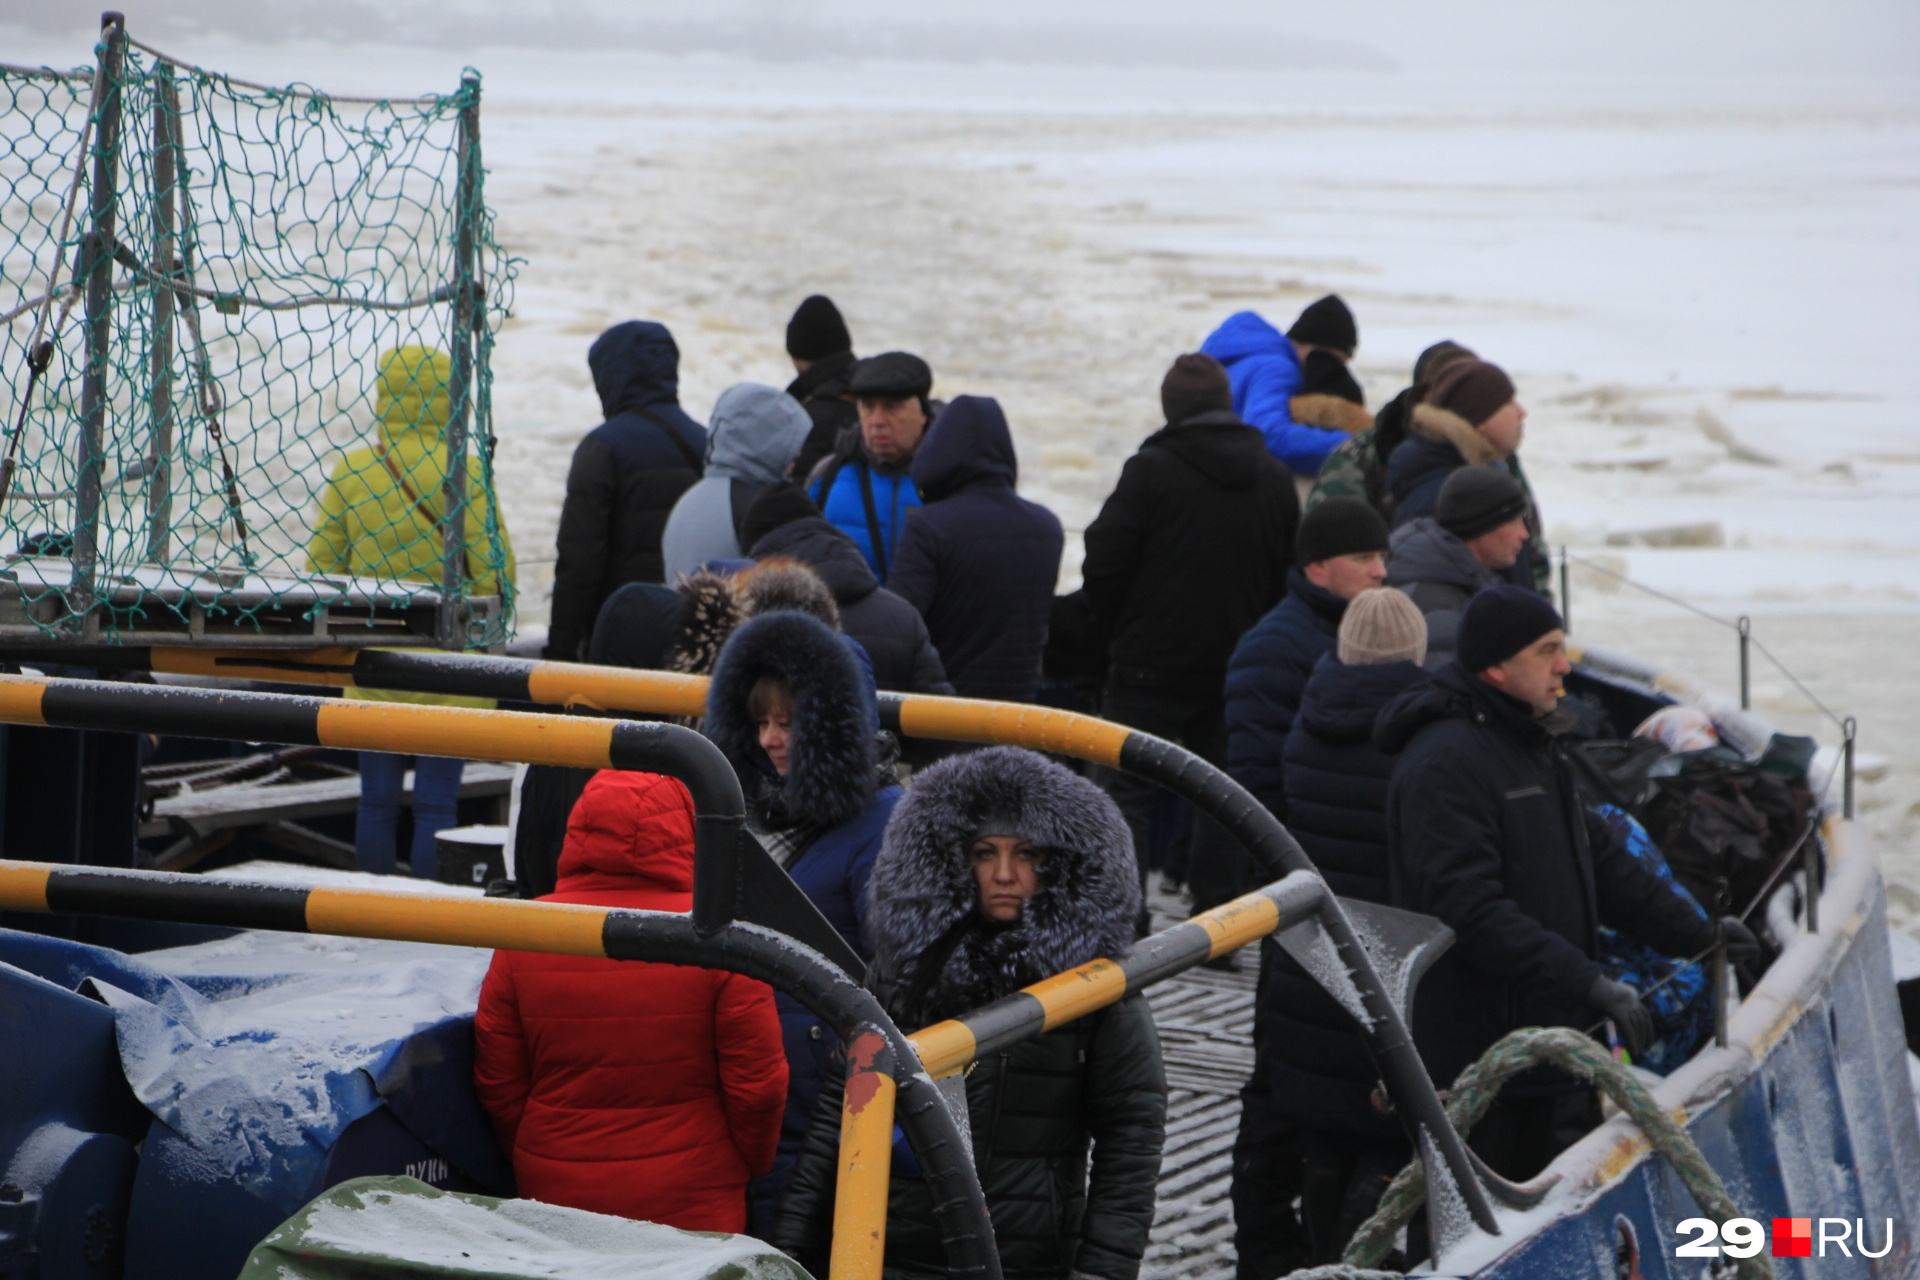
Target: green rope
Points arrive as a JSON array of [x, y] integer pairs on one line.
[[269, 253], [1579, 1056]]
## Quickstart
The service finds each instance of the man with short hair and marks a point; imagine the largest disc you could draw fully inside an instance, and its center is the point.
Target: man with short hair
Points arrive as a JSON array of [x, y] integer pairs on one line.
[[822, 353], [1443, 561], [866, 485], [1486, 830]]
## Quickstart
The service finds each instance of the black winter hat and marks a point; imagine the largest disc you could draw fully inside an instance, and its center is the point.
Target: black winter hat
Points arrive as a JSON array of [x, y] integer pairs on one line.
[[1473, 389], [1500, 622], [1323, 373], [1327, 323], [1340, 527], [780, 504], [1477, 500], [1196, 384], [817, 330], [891, 375]]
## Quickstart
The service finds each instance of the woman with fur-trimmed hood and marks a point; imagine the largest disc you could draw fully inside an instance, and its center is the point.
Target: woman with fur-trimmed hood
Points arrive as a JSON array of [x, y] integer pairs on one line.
[[1001, 868], [792, 708]]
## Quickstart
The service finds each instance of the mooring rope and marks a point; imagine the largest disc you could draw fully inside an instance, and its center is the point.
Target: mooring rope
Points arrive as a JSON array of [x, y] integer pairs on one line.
[[1474, 1092]]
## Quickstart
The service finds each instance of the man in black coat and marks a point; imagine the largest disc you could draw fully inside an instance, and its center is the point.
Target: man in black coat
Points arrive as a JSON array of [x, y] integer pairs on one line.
[[979, 561], [625, 478], [822, 353], [1486, 830], [783, 522], [1191, 548]]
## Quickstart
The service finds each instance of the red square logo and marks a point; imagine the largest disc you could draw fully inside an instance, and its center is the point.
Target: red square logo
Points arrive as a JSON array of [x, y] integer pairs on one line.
[[1793, 1237]]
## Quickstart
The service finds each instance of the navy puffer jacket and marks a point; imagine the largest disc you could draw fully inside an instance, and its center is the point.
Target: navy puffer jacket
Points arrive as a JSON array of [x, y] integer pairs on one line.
[[978, 561], [1336, 783], [1269, 669]]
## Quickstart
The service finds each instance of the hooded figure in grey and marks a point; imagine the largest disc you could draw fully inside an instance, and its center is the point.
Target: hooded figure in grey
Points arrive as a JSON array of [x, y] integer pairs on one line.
[[1066, 1127], [1438, 572], [755, 435]]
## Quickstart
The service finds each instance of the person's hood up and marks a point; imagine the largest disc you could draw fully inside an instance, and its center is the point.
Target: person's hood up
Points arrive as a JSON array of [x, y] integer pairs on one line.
[[967, 444], [413, 398], [1216, 444], [635, 364], [923, 899], [636, 627], [825, 547], [755, 434], [1454, 693], [1247, 333], [629, 831], [1340, 703], [827, 376], [1421, 551], [836, 716]]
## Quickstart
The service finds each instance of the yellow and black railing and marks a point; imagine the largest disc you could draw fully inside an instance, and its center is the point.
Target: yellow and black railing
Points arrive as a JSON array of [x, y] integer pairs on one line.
[[1363, 991]]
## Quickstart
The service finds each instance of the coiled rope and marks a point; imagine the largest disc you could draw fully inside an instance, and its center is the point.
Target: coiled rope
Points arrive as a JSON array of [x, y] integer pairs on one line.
[[1474, 1092]]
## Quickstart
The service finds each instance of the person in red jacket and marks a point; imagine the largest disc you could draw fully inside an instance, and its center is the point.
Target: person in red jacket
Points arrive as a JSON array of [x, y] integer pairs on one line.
[[650, 1091]]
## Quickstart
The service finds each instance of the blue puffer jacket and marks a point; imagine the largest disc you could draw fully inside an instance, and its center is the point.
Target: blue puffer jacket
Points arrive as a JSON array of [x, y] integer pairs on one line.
[[1265, 373], [1336, 782], [839, 487], [835, 801], [1265, 677]]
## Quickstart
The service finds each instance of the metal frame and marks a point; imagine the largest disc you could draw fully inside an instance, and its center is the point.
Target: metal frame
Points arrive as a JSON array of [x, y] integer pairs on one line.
[[1084, 737]]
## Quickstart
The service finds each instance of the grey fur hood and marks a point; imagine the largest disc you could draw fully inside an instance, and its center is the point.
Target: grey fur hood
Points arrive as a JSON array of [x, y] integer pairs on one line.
[[935, 955]]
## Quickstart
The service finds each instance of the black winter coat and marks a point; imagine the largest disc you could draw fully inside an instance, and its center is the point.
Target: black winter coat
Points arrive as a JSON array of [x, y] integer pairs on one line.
[[625, 478], [887, 627], [1034, 1110], [1191, 548], [1268, 671], [979, 561], [1318, 1067], [822, 392], [1486, 830]]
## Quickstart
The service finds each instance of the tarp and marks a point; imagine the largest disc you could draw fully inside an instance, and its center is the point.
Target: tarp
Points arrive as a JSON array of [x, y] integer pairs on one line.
[[395, 1228], [260, 1049]]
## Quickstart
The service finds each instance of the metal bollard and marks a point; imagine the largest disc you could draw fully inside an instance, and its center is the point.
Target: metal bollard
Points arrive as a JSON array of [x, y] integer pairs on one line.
[[1745, 627], [1720, 993], [1566, 592], [1850, 727]]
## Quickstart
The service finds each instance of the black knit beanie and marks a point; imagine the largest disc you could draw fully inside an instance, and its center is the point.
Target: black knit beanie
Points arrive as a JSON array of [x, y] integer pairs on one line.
[[1477, 500], [1473, 389], [1340, 527], [1323, 373], [1196, 384], [1500, 622], [780, 504], [817, 330], [1327, 323]]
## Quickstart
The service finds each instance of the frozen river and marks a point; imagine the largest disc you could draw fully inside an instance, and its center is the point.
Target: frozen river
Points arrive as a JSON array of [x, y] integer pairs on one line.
[[1708, 291]]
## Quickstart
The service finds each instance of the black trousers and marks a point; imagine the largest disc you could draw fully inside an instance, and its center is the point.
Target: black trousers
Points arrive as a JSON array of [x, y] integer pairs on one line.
[[1269, 1238], [1218, 869]]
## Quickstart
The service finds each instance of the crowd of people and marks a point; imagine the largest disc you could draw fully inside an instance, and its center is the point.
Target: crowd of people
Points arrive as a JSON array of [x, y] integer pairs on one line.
[[1348, 612]]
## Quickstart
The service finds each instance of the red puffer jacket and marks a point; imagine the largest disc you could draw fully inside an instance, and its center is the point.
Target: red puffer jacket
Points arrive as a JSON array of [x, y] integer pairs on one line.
[[650, 1091]]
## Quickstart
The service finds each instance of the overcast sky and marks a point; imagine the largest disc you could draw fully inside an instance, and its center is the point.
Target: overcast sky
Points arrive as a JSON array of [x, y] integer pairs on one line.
[[1474, 39]]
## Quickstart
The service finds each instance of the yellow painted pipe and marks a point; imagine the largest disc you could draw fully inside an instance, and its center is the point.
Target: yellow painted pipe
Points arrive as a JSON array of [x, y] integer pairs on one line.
[[866, 1161]]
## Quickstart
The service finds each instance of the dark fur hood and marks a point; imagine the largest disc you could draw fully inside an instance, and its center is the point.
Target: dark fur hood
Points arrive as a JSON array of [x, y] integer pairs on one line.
[[836, 717], [923, 900]]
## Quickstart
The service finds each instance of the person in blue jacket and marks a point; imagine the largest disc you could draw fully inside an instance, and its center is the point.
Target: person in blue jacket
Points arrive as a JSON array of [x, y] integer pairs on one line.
[[865, 486], [979, 561], [1266, 369], [792, 707]]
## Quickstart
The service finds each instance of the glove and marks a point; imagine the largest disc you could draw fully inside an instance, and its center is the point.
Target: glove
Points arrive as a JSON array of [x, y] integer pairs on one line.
[[1621, 1003], [1743, 949]]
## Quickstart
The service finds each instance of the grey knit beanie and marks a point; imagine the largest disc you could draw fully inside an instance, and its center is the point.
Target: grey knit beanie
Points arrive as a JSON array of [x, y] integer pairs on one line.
[[1382, 625]]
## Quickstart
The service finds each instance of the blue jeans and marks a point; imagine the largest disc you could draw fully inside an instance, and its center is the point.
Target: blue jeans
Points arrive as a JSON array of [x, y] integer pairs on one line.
[[436, 798]]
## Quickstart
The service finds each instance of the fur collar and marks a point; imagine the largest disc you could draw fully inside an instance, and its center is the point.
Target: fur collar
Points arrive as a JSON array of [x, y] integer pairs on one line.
[[835, 715], [923, 900], [1444, 426], [1331, 413]]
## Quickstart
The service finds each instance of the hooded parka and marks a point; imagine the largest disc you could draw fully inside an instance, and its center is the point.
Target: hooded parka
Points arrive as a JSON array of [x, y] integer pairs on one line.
[[1486, 831], [1438, 572], [823, 822], [650, 1091], [753, 438], [1067, 1127], [979, 561], [626, 475]]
